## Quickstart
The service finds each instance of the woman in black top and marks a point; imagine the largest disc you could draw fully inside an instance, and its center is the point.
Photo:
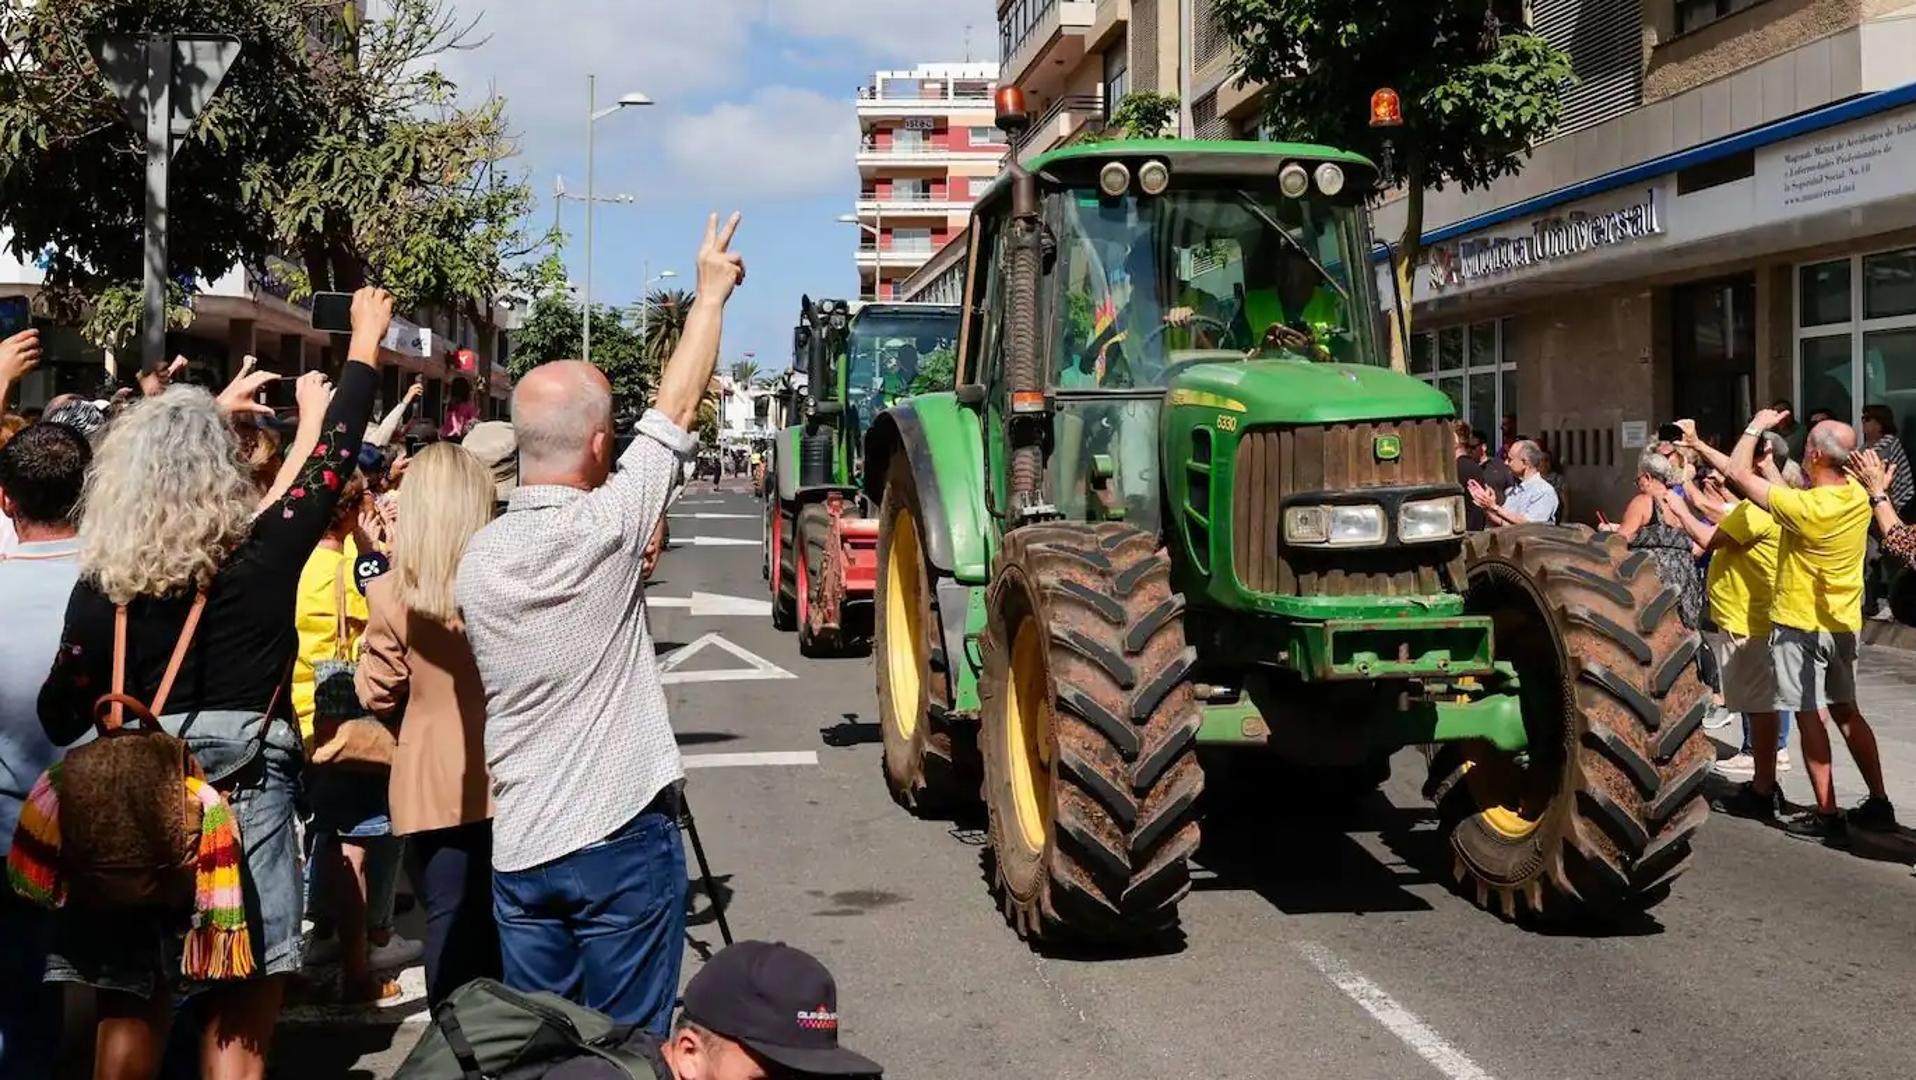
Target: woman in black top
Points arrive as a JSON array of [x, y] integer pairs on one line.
[[169, 511]]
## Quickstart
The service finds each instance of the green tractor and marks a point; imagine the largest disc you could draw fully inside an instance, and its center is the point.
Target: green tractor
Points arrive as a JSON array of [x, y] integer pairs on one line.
[[1178, 498], [821, 538]]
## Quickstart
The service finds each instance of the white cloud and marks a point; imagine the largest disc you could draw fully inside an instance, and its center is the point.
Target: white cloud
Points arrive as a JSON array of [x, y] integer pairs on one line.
[[783, 142], [901, 33]]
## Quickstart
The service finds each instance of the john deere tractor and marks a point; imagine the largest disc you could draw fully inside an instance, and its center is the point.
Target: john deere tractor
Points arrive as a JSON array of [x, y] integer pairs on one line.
[[820, 532], [1178, 498]]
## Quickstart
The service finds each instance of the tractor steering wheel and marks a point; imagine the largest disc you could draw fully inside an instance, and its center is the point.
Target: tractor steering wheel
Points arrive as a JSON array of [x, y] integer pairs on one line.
[[1196, 317]]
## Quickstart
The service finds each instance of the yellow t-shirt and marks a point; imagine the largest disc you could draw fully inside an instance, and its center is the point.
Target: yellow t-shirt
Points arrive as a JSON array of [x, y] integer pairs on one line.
[[1743, 578], [315, 618], [1819, 571]]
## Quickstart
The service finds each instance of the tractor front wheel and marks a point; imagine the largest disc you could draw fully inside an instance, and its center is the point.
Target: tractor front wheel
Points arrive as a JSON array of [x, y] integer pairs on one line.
[[1089, 728], [928, 768], [1597, 819], [814, 529]]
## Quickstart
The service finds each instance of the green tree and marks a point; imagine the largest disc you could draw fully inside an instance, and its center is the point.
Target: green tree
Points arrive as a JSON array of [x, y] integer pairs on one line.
[[1145, 114], [553, 331], [665, 311], [744, 374], [1477, 88], [332, 142]]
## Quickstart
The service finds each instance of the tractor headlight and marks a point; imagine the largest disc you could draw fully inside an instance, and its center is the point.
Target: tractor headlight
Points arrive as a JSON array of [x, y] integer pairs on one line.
[[1431, 519], [1335, 526]]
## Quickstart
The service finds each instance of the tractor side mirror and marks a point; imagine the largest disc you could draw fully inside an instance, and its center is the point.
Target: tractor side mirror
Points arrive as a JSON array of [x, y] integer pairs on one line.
[[801, 337]]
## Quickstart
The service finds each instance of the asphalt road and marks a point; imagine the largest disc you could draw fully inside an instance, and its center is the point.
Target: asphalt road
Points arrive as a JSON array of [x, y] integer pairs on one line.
[[1311, 948]]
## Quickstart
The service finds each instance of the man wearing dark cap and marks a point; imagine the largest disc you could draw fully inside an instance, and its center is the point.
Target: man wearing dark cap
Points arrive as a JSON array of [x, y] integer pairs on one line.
[[757, 1010]]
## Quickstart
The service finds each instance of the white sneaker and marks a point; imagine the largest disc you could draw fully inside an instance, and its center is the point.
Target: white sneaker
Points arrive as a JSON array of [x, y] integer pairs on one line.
[[1719, 718], [399, 951], [1740, 765], [1782, 761]]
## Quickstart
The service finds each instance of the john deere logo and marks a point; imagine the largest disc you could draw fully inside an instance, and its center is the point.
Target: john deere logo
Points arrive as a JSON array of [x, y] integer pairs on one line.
[[1389, 447]]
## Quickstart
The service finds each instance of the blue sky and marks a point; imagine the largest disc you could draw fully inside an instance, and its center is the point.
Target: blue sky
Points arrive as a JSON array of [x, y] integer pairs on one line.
[[755, 113]]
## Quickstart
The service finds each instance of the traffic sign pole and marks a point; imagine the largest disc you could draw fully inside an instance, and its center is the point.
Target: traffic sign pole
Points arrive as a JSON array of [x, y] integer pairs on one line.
[[159, 151]]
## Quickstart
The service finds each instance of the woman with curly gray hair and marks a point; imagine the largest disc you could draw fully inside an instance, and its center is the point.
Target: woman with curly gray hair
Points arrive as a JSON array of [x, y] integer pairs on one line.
[[170, 523]]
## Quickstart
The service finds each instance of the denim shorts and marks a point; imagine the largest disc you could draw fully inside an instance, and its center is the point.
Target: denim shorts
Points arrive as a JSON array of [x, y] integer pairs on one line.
[[349, 802], [137, 951]]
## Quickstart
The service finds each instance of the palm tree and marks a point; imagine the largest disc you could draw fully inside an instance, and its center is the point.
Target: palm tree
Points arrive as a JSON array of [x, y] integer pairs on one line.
[[744, 373], [664, 322]]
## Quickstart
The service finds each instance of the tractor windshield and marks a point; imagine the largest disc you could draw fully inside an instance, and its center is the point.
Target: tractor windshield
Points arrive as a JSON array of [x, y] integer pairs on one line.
[[1206, 274], [893, 355]]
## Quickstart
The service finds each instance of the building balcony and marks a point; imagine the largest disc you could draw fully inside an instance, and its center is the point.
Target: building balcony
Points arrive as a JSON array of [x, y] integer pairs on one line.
[[926, 101], [1042, 41], [919, 154], [910, 204], [909, 256], [1069, 119]]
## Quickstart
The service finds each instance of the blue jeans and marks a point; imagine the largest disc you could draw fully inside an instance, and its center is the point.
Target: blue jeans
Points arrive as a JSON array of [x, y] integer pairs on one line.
[[1782, 734], [603, 926]]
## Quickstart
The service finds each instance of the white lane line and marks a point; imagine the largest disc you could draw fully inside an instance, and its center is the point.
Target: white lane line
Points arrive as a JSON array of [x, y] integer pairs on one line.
[[762, 757], [703, 516], [1401, 1022], [718, 541], [705, 605]]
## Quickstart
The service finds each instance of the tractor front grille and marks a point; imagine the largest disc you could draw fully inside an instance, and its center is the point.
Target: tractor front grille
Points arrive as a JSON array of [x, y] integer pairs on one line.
[[1274, 463]]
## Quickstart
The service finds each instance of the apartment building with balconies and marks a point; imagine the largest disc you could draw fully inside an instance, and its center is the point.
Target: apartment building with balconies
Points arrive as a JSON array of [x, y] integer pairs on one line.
[[928, 147]]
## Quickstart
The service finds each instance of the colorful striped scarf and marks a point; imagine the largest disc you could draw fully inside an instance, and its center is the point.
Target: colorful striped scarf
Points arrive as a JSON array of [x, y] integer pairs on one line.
[[218, 944]]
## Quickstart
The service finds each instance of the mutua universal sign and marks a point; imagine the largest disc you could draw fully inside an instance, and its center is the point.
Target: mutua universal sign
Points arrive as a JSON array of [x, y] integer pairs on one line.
[[1548, 239]]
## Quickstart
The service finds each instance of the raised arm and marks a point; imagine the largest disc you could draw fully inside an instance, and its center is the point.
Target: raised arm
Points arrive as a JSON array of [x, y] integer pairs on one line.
[[19, 354], [1740, 465], [314, 395], [682, 384], [382, 433], [288, 530], [1701, 532], [1877, 477]]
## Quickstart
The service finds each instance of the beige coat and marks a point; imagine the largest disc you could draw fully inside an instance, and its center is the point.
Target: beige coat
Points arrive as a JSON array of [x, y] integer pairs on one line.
[[421, 673]]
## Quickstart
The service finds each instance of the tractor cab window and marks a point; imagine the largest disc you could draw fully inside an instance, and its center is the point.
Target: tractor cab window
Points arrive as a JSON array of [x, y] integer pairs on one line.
[[893, 356], [1146, 283]]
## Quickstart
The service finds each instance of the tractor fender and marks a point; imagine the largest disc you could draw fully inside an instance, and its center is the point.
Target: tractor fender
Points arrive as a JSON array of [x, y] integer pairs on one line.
[[941, 441], [785, 464]]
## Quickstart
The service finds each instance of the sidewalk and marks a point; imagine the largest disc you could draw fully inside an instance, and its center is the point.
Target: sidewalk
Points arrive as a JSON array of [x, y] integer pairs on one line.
[[1886, 692]]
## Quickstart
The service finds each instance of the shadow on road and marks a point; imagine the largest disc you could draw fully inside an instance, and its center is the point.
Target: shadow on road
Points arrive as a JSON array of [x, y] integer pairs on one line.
[[1896, 846], [703, 738], [851, 731], [334, 1055]]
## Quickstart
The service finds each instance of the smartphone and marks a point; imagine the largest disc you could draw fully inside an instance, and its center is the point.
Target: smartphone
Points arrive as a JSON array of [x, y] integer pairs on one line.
[[16, 314], [1669, 433], [333, 312]]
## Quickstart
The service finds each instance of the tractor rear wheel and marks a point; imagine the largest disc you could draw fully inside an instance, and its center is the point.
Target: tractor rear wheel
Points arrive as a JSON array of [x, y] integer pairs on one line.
[[1089, 728], [814, 529], [784, 572], [1600, 819], [928, 768]]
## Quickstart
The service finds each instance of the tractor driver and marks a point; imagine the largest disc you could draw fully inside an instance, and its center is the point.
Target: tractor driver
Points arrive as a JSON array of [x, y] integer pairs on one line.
[[1284, 305]]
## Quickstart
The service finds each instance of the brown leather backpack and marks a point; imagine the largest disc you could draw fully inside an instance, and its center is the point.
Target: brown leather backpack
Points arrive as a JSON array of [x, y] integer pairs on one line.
[[129, 832]]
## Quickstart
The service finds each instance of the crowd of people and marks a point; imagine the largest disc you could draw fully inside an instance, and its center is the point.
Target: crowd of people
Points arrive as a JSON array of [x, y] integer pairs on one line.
[[359, 661]]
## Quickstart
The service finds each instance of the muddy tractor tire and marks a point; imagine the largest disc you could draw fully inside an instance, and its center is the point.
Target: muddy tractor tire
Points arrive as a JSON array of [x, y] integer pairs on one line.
[[1088, 730], [784, 575], [1600, 819], [930, 766], [814, 528]]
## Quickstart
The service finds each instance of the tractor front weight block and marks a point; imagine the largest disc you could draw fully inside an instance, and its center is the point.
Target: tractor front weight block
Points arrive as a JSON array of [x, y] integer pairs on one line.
[[1404, 648]]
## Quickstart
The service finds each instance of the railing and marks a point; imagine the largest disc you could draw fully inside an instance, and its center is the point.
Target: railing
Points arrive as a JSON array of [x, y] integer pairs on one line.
[[925, 96], [926, 149], [1069, 103]]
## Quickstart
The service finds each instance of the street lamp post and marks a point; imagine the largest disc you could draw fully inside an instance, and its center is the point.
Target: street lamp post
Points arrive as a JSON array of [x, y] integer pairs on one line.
[[645, 302], [593, 114], [878, 251]]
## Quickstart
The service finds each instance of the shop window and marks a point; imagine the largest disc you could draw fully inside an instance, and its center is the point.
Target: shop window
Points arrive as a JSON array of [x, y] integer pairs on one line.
[[1856, 346], [1823, 293], [1467, 363]]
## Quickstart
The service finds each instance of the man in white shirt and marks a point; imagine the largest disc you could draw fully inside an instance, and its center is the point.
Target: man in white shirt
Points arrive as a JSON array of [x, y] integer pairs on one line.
[[1532, 499]]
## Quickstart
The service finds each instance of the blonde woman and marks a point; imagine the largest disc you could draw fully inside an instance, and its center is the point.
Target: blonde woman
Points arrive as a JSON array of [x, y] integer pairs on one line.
[[170, 512], [415, 665]]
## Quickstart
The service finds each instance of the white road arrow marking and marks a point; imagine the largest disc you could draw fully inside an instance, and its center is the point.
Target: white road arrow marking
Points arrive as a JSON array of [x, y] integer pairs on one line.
[[719, 541], [737, 760], [708, 605], [758, 667], [703, 516]]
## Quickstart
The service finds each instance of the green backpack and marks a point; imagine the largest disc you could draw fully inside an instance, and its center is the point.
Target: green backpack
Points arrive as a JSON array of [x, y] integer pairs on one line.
[[487, 1031]]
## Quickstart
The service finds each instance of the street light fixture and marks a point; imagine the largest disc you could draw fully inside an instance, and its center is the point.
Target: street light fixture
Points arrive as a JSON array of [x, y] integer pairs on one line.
[[878, 254], [593, 114], [645, 302]]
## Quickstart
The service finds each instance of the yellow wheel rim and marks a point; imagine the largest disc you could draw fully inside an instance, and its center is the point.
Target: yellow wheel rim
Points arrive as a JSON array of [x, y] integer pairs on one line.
[[1493, 801], [1028, 735], [905, 655]]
